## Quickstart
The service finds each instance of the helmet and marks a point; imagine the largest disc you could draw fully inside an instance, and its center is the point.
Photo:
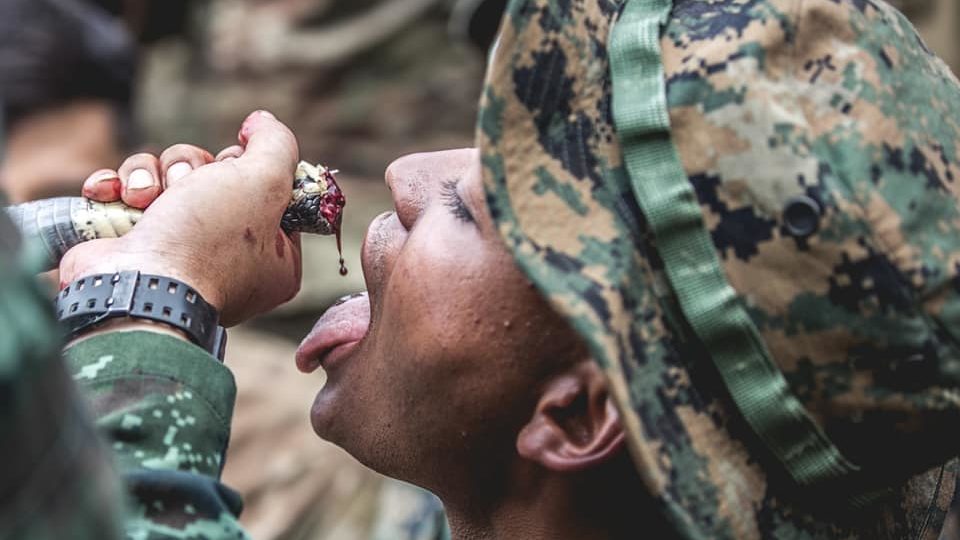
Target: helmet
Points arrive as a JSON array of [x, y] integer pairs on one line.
[[749, 211]]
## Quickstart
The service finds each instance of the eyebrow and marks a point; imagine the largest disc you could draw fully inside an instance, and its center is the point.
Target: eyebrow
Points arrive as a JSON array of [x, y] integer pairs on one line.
[[453, 201]]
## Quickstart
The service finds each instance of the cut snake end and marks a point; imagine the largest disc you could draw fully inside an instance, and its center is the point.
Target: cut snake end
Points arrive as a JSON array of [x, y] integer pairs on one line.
[[318, 202]]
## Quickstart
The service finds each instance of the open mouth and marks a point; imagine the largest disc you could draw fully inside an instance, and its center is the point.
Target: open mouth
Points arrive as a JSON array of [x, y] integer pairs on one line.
[[335, 334]]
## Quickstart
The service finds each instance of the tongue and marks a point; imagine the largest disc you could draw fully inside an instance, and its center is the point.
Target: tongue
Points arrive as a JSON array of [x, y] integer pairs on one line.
[[345, 322]]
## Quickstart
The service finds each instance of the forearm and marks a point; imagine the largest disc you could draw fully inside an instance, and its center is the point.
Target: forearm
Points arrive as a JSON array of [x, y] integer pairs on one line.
[[164, 406]]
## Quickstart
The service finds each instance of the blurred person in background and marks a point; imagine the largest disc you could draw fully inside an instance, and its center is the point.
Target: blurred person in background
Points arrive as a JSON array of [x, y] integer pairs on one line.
[[67, 70]]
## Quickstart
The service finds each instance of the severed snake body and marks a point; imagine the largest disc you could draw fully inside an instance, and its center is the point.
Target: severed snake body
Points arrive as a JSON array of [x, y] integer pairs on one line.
[[316, 206]]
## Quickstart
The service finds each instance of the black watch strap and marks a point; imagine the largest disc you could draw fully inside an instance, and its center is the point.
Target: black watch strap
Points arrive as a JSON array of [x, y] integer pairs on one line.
[[92, 300]]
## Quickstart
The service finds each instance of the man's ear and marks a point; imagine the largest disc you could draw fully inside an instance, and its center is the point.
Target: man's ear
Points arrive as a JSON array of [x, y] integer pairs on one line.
[[576, 425]]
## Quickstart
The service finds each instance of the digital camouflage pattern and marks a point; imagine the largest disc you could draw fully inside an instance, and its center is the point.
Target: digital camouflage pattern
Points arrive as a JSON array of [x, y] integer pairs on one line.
[[56, 480], [818, 138], [59, 480], [860, 314], [407, 512], [165, 406]]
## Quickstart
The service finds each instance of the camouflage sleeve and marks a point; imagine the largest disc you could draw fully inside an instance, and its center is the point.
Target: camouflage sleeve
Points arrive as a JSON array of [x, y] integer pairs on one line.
[[165, 407], [407, 512], [56, 479]]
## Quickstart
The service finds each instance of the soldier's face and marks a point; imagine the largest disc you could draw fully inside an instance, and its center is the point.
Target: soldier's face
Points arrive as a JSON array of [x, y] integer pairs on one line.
[[433, 373]]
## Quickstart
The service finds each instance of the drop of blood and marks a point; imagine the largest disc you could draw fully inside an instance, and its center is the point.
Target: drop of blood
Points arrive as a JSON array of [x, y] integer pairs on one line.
[[331, 209], [343, 267]]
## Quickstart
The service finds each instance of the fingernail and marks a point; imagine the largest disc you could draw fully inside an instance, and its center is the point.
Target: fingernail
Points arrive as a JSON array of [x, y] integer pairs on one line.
[[140, 179], [103, 176], [178, 170]]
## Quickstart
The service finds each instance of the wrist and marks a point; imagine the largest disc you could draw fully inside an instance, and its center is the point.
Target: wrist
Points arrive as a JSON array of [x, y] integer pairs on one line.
[[127, 254], [128, 324], [163, 260]]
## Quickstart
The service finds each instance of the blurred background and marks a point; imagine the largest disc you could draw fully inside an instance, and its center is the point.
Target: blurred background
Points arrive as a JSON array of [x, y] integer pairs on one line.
[[85, 82]]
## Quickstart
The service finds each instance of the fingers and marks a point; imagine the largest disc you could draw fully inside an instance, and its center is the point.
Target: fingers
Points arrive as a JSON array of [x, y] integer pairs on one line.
[[103, 186], [179, 160], [270, 153], [138, 189], [230, 152], [140, 176]]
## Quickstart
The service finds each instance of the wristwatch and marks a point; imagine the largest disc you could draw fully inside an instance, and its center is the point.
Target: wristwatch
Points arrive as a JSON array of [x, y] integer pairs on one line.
[[92, 300]]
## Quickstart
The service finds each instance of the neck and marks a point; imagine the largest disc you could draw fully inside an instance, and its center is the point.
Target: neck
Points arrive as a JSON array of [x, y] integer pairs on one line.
[[541, 504], [542, 521]]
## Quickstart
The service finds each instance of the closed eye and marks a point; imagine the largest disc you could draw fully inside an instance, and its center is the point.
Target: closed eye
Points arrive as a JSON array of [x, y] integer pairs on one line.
[[453, 201]]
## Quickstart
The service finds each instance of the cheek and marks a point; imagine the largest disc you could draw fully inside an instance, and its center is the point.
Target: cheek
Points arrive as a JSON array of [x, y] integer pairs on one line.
[[456, 307], [434, 299]]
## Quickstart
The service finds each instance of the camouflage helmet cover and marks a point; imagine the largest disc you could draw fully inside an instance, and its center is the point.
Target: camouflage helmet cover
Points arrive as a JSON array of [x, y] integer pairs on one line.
[[815, 145]]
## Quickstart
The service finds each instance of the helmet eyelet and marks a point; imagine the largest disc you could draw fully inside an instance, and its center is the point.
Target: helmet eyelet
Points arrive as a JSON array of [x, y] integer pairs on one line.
[[801, 216]]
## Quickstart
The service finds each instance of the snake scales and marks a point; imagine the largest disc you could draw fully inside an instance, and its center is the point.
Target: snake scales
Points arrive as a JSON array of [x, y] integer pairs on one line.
[[316, 206]]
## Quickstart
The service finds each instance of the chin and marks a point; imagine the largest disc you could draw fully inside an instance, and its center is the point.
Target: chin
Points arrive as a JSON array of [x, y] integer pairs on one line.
[[370, 446], [324, 416], [334, 412], [334, 422]]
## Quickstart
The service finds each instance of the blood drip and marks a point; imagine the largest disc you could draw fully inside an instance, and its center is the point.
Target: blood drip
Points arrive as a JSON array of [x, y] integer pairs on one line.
[[331, 208], [343, 267]]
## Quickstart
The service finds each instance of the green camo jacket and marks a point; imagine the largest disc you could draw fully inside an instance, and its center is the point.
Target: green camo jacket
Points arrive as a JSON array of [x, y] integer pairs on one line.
[[164, 405]]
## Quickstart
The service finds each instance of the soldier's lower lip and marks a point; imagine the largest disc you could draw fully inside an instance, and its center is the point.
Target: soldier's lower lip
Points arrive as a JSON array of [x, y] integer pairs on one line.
[[336, 354]]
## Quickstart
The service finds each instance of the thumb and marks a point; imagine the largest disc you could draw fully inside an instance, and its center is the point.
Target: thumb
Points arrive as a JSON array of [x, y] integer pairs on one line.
[[270, 152]]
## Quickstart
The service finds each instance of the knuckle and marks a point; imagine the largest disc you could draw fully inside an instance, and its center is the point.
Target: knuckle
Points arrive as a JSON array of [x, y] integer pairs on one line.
[[183, 152], [141, 157], [271, 179], [142, 160], [230, 151]]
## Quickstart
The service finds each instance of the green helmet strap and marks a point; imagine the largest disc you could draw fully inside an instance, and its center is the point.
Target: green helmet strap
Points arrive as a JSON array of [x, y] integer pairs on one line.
[[708, 302]]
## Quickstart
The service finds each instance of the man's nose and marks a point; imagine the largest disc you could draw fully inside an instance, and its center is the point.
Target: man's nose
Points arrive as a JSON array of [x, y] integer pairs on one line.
[[407, 178], [413, 178]]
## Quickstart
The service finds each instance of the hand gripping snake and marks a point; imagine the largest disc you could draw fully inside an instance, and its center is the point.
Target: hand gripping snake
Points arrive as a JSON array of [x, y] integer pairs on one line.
[[316, 206]]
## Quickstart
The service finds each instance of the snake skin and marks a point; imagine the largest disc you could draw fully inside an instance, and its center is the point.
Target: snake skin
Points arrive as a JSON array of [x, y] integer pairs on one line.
[[60, 223]]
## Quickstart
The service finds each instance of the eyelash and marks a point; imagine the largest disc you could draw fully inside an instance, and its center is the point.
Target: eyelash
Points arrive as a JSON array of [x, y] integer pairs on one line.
[[453, 201]]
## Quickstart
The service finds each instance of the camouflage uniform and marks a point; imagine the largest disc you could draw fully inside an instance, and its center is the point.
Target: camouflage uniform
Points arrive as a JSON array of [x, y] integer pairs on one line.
[[748, 209], [166, 408], [406, 512], [164, 405], [56, 480]]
